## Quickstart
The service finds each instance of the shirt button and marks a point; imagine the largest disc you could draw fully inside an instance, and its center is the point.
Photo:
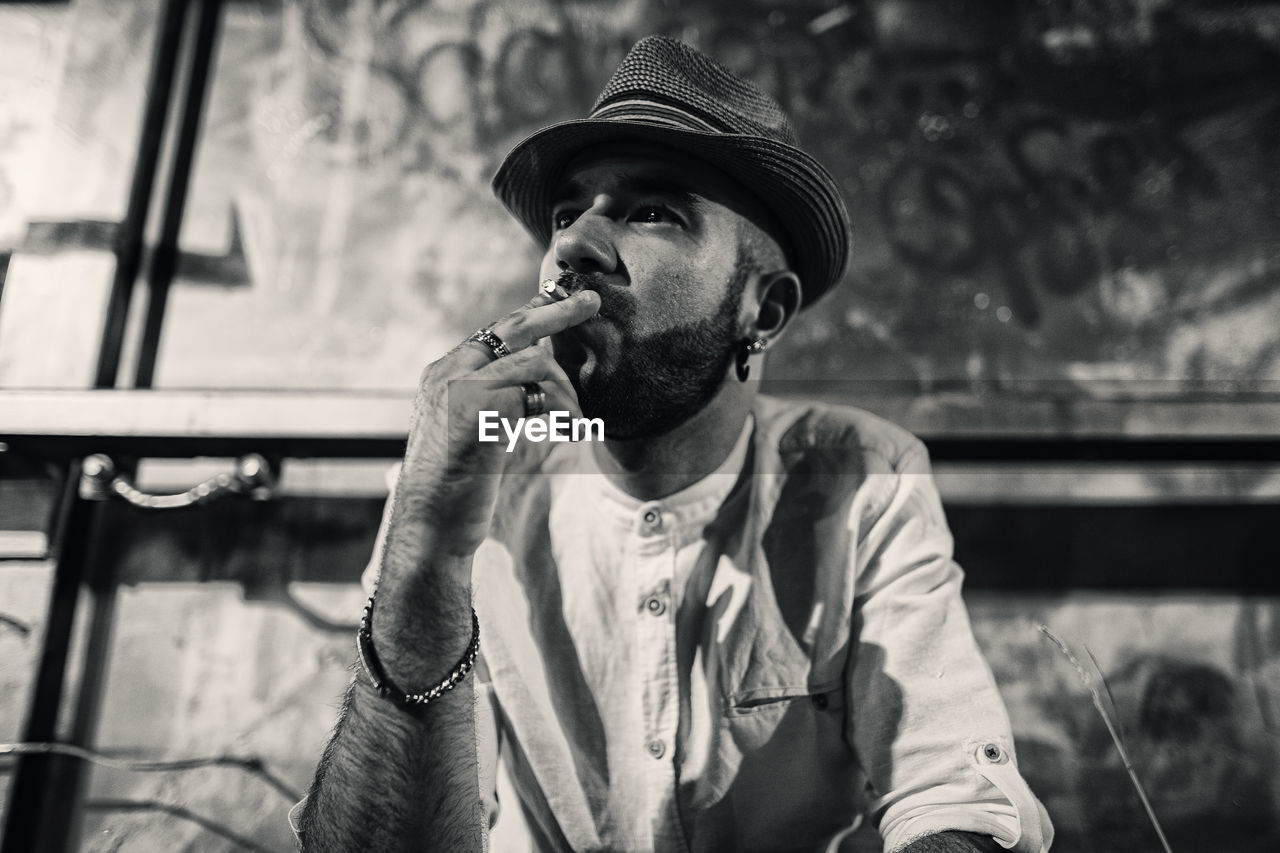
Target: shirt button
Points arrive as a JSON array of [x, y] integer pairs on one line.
[[651, 519], [991, 753], [656, 748], [820, 701], [656, 605]]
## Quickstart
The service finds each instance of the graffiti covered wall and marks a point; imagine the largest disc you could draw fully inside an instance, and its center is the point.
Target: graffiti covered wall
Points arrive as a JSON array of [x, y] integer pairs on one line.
[[1075, 189]]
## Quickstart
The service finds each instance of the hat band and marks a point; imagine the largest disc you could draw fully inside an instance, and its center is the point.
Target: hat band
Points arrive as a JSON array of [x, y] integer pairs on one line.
[[652, 112]]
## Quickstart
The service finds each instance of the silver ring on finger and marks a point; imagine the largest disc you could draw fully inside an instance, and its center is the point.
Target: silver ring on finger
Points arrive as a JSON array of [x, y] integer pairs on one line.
[[492, 341], [535, 399]]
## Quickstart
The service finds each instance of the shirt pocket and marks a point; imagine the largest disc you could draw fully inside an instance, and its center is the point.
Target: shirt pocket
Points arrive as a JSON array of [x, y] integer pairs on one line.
[[765, 700], [754, 714]]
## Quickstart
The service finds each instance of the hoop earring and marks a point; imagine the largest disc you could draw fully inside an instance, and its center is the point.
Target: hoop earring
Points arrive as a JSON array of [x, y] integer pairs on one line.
[[746, 349]]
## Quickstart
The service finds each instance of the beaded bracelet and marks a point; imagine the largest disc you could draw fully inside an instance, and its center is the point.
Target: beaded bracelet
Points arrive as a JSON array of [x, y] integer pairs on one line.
[[373, 666]]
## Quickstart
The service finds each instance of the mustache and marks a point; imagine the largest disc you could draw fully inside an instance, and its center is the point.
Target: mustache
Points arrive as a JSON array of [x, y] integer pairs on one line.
[[616, 303]]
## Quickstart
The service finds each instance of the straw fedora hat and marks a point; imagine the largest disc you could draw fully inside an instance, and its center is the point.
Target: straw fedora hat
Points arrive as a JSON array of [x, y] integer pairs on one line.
[[668, 93]]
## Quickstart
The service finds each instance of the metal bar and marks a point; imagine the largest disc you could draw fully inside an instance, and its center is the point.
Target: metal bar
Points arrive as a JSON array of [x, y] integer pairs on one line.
[[67, 808], [165, 260], [1104, 450], [43, 811], [286, 413], [131, 237], [275, 446], [57, 424], [65, 790], [1229, 548], [29, 825], [1156, 548]]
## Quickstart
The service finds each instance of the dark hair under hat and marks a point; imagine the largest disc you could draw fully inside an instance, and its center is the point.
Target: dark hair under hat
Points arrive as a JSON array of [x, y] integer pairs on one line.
[[666, 92]]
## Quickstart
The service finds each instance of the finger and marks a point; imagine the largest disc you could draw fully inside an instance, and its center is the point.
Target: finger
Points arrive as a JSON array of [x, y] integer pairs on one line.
[[529, 365], [470, 350], [555, 401], [543, 316], [471, 404], [502, 415], [535, 362], [557, 398], [546, 297], [527, 325]]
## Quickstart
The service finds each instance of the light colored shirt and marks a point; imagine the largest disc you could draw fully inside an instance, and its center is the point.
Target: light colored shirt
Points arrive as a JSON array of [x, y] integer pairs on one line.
[[752, 663]]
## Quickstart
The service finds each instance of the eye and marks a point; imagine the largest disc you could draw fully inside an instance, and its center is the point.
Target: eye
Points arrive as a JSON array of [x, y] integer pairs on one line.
[[562, 219], [654, 213]]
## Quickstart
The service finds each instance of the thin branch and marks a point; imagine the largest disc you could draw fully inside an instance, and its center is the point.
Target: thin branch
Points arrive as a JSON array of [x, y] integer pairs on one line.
[[250, 765], [1112, 726]]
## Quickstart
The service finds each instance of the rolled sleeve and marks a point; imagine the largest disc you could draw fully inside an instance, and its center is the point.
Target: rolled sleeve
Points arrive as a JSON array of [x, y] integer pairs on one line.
[[928, 722]]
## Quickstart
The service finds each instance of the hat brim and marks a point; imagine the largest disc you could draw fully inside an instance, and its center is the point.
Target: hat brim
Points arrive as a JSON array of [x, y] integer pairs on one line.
[[796, 188]]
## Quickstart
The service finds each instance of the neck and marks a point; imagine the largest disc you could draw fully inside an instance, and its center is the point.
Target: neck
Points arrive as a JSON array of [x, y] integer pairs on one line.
[[652, 468]]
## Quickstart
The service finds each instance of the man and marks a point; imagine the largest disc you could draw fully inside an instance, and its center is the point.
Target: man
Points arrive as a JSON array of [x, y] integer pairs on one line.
[[733, 625]]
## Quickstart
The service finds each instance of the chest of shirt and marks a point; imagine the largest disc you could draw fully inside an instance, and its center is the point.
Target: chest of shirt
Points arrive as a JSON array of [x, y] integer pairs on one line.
[[662, 679]]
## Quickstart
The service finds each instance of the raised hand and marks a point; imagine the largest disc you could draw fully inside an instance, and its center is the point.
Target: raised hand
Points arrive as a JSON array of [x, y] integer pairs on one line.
[[449, 480]]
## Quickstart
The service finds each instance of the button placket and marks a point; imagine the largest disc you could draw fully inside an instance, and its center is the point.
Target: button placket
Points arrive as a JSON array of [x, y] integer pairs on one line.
[[655, 639]]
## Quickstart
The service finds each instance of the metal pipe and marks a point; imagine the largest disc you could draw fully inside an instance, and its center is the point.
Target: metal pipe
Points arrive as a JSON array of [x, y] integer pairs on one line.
[[43, 807], [130, 239], [165, 260], [31, 820]]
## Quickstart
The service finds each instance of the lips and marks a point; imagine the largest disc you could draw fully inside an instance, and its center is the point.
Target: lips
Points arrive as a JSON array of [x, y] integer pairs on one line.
[[613, 297]]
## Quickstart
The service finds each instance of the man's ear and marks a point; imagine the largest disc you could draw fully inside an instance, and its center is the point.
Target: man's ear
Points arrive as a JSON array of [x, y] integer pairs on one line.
[[778, 296]]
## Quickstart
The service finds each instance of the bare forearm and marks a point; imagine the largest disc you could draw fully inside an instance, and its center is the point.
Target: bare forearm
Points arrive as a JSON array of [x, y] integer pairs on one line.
[[391, 779]]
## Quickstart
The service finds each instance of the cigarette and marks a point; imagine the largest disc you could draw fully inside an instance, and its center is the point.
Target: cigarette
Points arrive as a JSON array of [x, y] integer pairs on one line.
[[554, 290]]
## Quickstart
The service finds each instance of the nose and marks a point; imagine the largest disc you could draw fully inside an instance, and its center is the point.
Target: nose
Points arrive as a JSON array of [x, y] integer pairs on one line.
[[586, 245]]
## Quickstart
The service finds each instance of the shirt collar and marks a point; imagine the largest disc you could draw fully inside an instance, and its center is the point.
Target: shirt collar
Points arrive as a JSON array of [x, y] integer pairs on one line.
[[694, 504]]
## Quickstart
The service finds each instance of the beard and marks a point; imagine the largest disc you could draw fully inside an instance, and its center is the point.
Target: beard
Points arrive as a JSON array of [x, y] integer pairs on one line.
[[654, 382]]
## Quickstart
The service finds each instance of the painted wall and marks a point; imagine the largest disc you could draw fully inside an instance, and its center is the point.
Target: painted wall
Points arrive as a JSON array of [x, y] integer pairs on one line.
[[1069, 189]]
